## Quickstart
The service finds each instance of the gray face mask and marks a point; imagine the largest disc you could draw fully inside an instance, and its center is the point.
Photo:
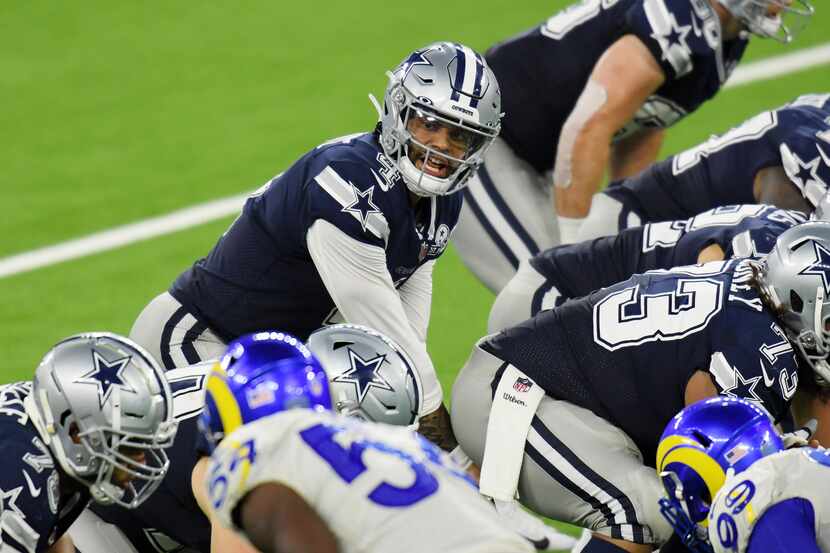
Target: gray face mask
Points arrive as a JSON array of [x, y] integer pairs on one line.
[[370, 376], [104, 408], [451, 84], [781, 20]]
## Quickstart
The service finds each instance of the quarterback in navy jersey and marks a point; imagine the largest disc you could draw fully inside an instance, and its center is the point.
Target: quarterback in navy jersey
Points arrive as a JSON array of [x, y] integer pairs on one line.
[[575, 270], [93, 424], [350, 231], [574, 400], [591, 88], [779, 157]]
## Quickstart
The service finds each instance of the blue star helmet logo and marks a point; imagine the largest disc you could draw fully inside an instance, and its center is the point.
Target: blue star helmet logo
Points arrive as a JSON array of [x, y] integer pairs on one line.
[[106, 375], [362, 206], [414, 59], [820, 267], [364, 374]]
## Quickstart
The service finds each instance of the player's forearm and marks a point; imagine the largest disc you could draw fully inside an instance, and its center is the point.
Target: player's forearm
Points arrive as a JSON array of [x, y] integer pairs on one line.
[[634, 153], [588, 160], [436, 427]]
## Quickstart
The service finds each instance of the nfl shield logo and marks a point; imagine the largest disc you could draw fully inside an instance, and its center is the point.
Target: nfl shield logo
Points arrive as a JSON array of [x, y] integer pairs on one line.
[[522, 384]]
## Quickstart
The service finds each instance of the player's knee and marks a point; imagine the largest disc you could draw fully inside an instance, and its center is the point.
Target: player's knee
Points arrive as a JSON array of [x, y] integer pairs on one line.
[[603, 218], [514, 303]]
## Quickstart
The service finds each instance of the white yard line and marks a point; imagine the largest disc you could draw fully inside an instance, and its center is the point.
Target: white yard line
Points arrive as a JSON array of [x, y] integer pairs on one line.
[[799, 60], [217, 209], [121, 236]]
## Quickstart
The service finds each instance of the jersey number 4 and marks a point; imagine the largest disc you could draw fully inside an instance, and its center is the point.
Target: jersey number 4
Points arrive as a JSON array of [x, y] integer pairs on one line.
[[629, 318]]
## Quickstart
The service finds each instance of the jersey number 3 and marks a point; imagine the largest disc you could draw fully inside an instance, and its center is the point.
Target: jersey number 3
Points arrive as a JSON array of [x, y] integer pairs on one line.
[[629, 318]]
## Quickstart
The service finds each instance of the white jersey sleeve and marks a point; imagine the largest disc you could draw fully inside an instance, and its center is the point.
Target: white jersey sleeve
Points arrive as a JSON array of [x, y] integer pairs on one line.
[[379, 488], [796, 473], [358, 281]]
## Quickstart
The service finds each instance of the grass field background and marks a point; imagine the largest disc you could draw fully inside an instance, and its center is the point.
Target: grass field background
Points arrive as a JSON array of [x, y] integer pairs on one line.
[[113, 112]]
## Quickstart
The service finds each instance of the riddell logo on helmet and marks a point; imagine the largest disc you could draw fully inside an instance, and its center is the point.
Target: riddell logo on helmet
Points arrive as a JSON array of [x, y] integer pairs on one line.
[[462, 110]]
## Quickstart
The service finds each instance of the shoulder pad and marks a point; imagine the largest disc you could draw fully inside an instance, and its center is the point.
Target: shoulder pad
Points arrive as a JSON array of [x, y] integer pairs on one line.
[[351, 196]]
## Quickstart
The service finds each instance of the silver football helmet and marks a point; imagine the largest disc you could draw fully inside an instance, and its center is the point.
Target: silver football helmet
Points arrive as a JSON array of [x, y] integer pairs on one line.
[[449, 91], [796, 277], [102, 405], [370, 376], [781, 20]]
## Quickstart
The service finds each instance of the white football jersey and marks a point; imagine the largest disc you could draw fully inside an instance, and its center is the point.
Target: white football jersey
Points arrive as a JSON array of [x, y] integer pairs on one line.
[[743, 499], [379, 488]]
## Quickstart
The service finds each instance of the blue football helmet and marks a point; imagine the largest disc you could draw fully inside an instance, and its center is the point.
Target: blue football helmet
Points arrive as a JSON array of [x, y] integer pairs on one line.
[[259, 375], [698, 447]]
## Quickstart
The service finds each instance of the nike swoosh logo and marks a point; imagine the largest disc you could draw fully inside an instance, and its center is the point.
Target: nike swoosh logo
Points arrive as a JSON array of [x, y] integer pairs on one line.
[[769, 382], [35, 492]]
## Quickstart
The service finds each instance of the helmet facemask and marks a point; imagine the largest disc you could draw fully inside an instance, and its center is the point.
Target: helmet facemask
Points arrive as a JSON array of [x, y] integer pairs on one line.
[[123, 468], [463, 150], [440, 114], [813, 342], [781, 20]]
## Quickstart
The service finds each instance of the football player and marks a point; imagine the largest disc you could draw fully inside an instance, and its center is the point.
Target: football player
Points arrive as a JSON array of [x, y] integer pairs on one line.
[[732, 488], [572, 402], [371, 379], [350, 232], [291, 475], [779, 157], [92, 424], [592, 88], [575, 270]]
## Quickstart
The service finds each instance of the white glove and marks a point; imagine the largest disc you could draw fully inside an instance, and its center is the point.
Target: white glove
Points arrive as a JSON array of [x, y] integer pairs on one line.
[[800, 437], [542, 536]]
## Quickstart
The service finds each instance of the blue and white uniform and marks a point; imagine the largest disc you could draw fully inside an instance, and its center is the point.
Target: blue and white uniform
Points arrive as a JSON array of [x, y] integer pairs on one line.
[[542, 72], [379, 488], [781, 503], [334, 237], [722, 170], [170, 519], [575, 270], [614, 367], [39, 502]]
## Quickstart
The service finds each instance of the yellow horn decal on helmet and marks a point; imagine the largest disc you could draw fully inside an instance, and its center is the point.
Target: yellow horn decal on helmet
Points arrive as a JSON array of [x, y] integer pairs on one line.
[[706, 467], [229, 412], [671, 442]]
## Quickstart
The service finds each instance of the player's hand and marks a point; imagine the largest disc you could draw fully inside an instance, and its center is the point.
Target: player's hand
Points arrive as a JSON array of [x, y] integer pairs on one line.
[[542, 536], [801, 437]]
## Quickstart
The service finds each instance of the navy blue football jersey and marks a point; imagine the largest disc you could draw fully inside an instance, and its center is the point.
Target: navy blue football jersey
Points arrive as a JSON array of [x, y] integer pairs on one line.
[[722, 170], [170, 518], [627, 352], [576, 270], [39, 503], [260, 274], [542, 72]]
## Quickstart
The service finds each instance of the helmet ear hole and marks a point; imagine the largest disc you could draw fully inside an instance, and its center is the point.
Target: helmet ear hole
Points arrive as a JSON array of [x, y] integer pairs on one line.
[[796, 303]]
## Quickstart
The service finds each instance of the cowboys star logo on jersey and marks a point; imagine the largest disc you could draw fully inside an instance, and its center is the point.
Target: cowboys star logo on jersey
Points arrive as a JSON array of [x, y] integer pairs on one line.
[[362, 205], [106, 375], [364, 374]]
